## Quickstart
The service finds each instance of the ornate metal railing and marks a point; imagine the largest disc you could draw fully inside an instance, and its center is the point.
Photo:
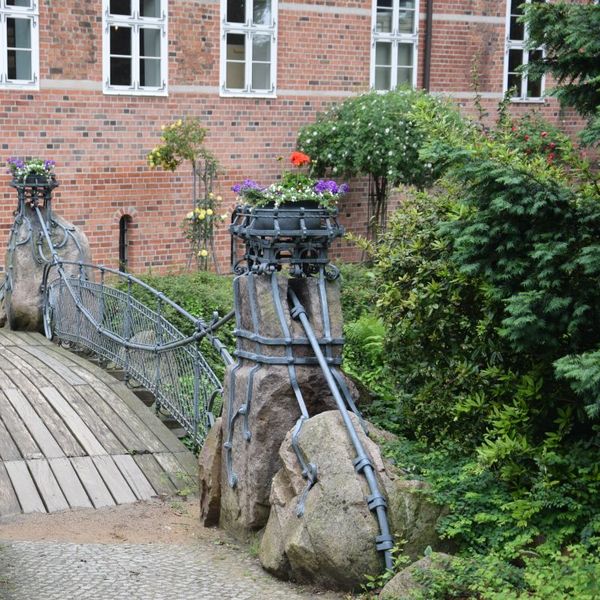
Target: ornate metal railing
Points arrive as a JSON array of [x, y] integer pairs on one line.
[[85, 310]]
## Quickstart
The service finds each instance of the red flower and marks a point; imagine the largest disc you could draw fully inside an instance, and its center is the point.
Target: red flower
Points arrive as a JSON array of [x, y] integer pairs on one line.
[[544, 133], [552, 145], [526, 137], [299, 159]]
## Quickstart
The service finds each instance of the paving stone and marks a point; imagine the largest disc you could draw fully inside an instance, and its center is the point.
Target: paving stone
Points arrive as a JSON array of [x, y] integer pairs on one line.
[[67, 571]]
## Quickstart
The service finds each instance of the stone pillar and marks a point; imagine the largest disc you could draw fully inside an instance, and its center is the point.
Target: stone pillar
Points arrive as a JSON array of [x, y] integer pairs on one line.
[[265, 392], [28, 254]]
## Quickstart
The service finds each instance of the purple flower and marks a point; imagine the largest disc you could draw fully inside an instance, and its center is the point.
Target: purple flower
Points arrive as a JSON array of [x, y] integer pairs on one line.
[[344, 188], [48, 164], [246, 185], [323, 186]]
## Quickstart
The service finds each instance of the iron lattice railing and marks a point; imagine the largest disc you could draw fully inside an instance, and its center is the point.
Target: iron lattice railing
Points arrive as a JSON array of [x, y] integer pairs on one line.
[[108, 320]]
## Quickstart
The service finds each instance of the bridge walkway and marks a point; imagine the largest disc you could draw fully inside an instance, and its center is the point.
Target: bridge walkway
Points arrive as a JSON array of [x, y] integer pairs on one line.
[[71, 435]]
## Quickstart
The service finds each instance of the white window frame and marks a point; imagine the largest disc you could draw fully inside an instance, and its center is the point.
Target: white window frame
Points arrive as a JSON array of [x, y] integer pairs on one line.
[[520, 45], [21, 12], [135, 21], [248, 29], [395, 38]]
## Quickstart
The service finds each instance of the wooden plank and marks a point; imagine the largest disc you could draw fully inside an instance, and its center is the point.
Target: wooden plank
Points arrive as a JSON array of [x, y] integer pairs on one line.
[[82, 362], [92, 482], [5, 382], [47, 485], [180, 478], [66, 440], [25, 489], [154, 473], [44, 360], [130, 441], [21, 437], [13, 362], [123, 402], [135, 477], [188, 461], [80, 430], [143, 414], [114, 480], [34, 424], [8, 449], [69, 483], [96, 425], [9, 505]]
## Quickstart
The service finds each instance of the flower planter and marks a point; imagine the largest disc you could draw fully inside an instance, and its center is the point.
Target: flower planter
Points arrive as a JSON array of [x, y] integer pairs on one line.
[[288, 219]]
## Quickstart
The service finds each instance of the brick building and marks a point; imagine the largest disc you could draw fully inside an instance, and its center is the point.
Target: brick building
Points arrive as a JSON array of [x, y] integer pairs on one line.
[[89, 84]]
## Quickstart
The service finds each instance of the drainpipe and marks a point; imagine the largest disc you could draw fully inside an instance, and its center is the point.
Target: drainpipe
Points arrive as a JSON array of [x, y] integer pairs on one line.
[[428, 36]]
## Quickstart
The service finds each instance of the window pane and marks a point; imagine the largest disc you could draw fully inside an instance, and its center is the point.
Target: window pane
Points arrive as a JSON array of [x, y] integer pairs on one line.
[[236, 11], [150, 8], [383, 78], [515, 7], [514, 81], [235, 46], [534, 88], [18, 33], [405, 55], [235, 78], [515, 60], [384, 4], [120, 40], [404, 76], [149, 42], [383, 54], [150, 72], [19, 64], [517, 30], [261, 76], [262, 12], [120, 71], [261, 48], [384, 21], [406, 16], [120, 7], [25, 3]]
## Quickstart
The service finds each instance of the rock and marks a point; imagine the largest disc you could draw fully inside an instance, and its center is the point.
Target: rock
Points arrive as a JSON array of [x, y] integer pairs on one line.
[[23, 300], [333, 544], [209, 475], [273, 406], [405, 584]]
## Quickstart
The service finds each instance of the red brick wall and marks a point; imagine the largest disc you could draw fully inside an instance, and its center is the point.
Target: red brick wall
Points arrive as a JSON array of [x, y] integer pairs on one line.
[[99, 141]]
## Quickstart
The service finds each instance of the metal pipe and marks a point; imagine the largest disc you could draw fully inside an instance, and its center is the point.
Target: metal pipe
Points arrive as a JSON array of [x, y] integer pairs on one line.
[[362, 463], [428, 43]]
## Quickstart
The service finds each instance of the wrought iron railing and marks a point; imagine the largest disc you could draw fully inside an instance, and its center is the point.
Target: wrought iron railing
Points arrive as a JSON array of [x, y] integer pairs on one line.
[[85, 310]]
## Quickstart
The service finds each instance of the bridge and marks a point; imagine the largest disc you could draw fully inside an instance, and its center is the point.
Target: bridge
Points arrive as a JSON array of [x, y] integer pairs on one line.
[[72, 435]]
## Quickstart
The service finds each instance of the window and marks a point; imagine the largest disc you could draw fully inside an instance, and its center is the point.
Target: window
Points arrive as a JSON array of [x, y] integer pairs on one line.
[[394, 45], [135, 47], [124, 227], [19, 46], [248, 47], [526, 88]]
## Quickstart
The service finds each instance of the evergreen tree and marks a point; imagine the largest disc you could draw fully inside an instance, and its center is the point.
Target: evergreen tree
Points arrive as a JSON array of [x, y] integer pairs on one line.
[[570, 36]]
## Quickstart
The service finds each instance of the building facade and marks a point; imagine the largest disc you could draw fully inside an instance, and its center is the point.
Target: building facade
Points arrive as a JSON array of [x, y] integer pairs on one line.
[[89, 84]]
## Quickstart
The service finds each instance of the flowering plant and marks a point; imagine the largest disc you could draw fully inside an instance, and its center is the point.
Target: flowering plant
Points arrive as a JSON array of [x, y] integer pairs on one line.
[[22, 169], [199, 225], [294, 186]]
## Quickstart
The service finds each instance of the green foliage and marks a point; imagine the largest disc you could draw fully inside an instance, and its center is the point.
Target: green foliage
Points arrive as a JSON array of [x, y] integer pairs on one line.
[[569, 34], [201, 294], [180, 141], [359, 291], [379, 135]]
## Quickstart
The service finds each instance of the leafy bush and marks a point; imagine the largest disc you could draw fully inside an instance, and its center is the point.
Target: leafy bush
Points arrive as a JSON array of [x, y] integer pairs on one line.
[[378, 135]]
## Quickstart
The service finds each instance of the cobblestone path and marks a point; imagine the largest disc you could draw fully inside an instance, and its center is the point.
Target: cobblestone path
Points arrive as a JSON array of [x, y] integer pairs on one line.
[[146, 551], [66, 571]]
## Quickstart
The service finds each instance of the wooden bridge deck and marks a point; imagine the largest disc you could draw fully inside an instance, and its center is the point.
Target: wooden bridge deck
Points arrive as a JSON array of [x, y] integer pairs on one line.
[[71, 435]]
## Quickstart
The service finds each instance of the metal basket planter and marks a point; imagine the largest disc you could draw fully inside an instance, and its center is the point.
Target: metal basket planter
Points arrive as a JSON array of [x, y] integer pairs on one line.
[[297, 233]]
